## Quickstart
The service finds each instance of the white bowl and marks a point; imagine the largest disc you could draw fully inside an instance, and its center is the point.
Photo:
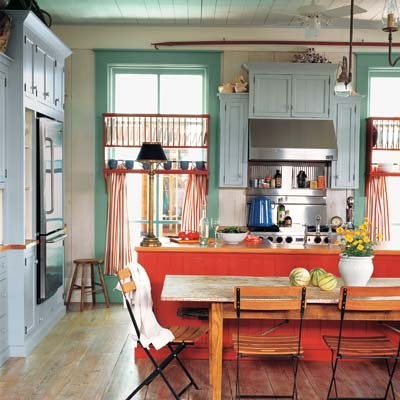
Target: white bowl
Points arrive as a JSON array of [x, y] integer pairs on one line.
[[232, 238]]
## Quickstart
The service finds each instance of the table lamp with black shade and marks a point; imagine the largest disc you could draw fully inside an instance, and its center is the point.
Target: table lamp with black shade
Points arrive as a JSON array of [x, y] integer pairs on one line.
[[153, 154]]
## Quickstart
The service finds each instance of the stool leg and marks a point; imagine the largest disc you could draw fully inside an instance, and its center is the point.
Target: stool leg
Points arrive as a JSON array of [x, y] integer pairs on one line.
[[103, 285], [92, 283], [71, 288], [83, 281]]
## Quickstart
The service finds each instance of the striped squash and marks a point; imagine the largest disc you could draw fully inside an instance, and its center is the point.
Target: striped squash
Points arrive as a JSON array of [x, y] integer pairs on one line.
[[299, 277], [315, 274], [327, 281]]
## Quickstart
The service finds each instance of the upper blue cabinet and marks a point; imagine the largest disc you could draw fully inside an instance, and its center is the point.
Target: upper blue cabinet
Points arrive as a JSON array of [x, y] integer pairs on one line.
[[39, 65], [291, 90]]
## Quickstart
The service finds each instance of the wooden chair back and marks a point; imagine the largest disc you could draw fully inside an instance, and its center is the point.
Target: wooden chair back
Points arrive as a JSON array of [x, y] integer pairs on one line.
[[258, 298], [356, 298], [127, 287]]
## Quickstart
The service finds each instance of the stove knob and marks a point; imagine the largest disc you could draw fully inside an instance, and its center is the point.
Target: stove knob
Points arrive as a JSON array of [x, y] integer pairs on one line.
[[289, 239], [270, 238], [279, 239], [326, 240], [317, 239]]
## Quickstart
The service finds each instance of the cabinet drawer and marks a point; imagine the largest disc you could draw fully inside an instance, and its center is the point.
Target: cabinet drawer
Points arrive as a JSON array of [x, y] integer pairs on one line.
[[3, 296], [3, 265], [3, 332]]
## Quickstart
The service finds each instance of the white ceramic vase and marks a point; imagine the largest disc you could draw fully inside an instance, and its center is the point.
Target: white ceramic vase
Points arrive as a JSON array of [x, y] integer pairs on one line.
[[356, 271]]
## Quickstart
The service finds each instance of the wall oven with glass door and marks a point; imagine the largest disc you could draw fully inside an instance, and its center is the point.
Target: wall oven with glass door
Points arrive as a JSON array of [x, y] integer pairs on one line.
[[50, 194]]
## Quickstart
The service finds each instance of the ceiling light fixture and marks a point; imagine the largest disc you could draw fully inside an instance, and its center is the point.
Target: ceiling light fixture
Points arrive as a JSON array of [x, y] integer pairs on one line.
[[312, 27], [343, 85], [390, 19]]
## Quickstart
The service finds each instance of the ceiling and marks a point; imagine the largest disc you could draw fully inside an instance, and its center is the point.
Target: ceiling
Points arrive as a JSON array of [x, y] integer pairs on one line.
[[255, 13]]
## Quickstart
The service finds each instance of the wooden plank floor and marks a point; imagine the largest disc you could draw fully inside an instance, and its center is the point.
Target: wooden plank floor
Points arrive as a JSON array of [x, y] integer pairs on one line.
[[89, 356]]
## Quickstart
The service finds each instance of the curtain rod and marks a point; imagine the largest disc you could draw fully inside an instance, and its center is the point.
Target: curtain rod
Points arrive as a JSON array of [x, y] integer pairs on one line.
[[278, 42]]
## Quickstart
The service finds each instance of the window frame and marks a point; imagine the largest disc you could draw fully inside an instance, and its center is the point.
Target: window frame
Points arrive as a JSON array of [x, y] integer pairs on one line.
[[158, 70]]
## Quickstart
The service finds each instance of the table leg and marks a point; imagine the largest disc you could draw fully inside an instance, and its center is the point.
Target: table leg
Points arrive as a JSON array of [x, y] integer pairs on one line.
[[215, 348]]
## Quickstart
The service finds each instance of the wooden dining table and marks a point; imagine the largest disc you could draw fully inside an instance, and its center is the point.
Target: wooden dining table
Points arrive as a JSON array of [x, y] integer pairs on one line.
[[218, 292]]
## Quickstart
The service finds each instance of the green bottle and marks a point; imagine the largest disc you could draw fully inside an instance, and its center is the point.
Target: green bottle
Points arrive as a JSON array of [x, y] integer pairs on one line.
[[280, 212]]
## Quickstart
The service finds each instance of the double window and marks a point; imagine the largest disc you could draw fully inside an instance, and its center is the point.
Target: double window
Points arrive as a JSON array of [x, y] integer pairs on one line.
[[158, 90]]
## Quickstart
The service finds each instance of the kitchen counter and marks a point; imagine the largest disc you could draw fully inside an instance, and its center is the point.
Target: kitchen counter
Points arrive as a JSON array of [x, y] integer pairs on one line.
[[386, 248], [28, 243], [243, 259]]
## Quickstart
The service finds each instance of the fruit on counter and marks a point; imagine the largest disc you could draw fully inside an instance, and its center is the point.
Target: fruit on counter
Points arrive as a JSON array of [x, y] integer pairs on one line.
[[182, 235], [253, 239], [189, 235], [315, 274], [193, 235], [233, 229], [327, 281], [299, 277]]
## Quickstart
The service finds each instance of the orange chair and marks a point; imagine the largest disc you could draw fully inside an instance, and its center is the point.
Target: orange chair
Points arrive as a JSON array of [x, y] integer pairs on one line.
[[258, 299], [184, 336], [371, 299]]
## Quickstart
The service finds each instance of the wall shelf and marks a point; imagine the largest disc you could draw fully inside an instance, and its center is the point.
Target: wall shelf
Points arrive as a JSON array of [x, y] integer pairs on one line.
[[179, 135], [383, 139], [161, 171]]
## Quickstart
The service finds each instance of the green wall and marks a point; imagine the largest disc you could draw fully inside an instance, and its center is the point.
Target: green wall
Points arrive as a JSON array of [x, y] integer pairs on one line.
[[367, 64], [211, 61]]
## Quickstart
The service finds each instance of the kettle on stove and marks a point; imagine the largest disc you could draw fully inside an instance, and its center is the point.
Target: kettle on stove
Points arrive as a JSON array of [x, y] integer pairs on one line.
[[260, 214]]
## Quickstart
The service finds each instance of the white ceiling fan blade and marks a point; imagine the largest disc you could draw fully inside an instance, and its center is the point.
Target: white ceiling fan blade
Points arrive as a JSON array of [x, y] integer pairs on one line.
[[289, 13], [342, 11]]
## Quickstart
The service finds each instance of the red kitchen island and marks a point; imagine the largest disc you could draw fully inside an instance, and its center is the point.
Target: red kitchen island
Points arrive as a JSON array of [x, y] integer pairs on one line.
[[253, 261]]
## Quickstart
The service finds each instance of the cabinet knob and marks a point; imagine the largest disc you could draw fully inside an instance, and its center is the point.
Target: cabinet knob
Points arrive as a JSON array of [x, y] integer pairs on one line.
[[56, 101], [46, 94], [33, 88]]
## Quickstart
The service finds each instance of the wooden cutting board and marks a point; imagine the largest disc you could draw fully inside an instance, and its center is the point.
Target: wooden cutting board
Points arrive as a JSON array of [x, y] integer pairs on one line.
[[184, 241]]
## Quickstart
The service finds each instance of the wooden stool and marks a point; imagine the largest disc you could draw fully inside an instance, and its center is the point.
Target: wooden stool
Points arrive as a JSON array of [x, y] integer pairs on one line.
[[92, 263]]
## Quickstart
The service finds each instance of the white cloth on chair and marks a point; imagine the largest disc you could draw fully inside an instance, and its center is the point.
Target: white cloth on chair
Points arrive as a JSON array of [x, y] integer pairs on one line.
[[151, 332]]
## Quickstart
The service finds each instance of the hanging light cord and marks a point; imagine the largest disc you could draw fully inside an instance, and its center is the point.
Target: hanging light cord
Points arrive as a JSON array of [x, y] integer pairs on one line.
[[350, 76], [391, 62]]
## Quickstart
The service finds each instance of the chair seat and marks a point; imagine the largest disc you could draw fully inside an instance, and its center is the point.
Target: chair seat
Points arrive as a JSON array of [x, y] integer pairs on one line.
[[373, 346], [267, 345], [187, 334]]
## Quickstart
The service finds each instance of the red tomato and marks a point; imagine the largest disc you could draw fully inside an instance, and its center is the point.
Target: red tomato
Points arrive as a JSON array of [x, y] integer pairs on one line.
[[193, 235], [182, 235]]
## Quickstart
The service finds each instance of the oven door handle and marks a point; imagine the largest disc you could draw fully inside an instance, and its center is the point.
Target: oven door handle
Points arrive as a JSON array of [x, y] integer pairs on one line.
[[57, 238]]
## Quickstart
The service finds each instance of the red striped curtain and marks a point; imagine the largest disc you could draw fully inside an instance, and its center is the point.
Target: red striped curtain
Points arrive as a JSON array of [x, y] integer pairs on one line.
[[378, 207], [118, 245], [195, 197]]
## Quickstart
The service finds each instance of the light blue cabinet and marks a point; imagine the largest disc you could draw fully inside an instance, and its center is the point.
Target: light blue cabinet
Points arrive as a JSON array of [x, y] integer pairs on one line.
[[4, 63], [3, 309], [30, 289], [311, 96], [271, 95], [289, 90], [233, 140], [345, 170]]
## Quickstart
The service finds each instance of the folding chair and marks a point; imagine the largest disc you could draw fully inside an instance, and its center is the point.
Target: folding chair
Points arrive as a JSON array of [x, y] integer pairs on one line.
[[269, 299], [184, 336], [372, 299]]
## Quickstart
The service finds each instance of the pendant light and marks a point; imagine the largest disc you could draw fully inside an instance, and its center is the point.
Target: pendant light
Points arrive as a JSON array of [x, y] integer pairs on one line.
[[343, 86], [390, 19]]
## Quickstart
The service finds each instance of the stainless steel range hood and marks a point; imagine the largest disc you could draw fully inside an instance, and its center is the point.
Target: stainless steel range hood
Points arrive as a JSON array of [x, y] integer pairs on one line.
[[284, 139]]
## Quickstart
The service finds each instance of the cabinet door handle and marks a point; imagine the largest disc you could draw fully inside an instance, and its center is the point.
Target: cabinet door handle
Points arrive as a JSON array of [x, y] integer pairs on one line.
[[56, 101], [46, 94]]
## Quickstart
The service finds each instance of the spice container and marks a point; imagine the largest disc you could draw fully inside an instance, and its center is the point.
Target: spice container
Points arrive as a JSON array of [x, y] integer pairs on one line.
[[268, 181], [321, 182], [313, 185]]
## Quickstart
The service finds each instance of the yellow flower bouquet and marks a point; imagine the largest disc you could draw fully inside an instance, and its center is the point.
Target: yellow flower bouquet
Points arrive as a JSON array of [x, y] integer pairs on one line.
[[357, 242]]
